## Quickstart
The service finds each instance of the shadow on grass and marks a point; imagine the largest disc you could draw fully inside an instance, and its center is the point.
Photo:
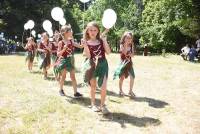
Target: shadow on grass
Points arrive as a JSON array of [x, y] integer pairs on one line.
[[51, 78], [109, 93], [69, 83], [84, 101], [36, 72], [152, 102], [123, 119]]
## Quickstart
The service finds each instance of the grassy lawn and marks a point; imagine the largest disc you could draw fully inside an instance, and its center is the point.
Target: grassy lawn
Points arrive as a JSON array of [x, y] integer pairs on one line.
[[167, 100]]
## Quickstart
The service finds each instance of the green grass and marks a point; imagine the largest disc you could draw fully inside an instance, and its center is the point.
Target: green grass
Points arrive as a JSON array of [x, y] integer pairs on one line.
[[167, 99]]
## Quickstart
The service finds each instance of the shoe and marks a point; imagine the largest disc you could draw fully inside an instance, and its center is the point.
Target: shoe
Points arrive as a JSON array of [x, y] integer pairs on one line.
[[121, 93], [45, 78], [94, 108], [131, 94], [62, 93], [104, 110], [78, 95]]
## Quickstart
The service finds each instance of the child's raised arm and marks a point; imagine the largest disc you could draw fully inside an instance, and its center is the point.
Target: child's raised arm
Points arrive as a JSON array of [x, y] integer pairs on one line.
[[78, 45], [106, 45]]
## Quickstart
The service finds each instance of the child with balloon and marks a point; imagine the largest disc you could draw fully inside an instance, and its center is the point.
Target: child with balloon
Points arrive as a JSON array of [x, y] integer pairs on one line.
[[96, 65], [125, 67], [64, 63], [44, 50], [30, 47]]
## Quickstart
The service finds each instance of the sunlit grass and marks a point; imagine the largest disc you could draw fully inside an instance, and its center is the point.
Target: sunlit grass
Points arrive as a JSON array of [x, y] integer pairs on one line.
[[167, 98]]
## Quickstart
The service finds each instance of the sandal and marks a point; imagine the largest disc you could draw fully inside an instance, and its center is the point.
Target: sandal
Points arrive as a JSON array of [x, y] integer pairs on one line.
[[121, 93], [131, 94], [94, 108]]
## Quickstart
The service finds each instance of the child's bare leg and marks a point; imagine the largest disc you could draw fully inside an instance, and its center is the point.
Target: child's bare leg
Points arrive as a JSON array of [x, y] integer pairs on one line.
[[62, 79], [93, 91], [131, 83], [103, 97], [103, 92], [73, 79], [121, 79]]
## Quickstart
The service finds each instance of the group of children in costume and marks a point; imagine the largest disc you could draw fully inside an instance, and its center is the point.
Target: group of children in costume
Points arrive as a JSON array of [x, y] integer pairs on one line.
[[95, 47]]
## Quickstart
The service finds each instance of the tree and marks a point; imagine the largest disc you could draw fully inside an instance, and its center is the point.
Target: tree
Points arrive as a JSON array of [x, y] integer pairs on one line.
[[167, 23]]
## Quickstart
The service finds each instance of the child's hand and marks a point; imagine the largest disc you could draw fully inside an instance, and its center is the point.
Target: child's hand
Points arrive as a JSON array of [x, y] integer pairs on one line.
[[105, 32], [104, 38], [65, 46], [83, 42]]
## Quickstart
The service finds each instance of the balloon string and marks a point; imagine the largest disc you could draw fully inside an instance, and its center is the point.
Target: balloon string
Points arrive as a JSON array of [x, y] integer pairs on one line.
[[23, 39], [83, 16]]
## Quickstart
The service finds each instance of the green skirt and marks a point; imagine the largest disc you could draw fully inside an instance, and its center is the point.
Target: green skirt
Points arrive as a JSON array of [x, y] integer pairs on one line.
[[44, 60], [99, 71], [53, 58], [63, 63], [124, 68], [30, 56]]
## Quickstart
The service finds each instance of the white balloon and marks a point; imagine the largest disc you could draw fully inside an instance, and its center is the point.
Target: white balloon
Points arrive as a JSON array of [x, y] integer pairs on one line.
[[57, 13], [33, 32], [26, 26], [31, 24], [50, 32], [109, 18], [50, 39], [84, 1], [47, 25], [39, 35], [107, 24], [62, 21]]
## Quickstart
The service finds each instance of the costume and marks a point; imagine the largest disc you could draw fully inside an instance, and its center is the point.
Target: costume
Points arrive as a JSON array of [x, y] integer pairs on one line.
[[96, 66], [126, 65]]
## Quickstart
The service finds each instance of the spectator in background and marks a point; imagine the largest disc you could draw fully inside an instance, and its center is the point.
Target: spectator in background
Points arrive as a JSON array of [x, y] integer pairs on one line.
[[145, 53], [198, 45], [185, 51], [192, 53]]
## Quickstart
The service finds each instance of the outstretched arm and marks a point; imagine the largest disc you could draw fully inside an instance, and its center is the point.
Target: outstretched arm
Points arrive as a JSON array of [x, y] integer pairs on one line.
[[78, 45], [106, 45]]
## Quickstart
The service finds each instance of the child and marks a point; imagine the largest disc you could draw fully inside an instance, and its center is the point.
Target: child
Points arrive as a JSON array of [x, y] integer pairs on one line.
[[44, 50], [57, 37], [65, 63], [30, 47], [96, 65], [125, 68]]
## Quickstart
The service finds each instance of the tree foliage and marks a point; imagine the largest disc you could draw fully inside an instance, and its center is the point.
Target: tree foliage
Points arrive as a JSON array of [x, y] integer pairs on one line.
[[162, 24]]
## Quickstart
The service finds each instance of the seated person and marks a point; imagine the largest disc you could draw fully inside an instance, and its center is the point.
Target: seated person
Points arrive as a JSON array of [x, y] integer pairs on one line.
[[184, 51], [192, 53]]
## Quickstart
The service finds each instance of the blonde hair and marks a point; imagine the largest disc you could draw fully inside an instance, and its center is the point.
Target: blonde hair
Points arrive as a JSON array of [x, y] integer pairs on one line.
[[64, 29], [90, 24], [122, 41]]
